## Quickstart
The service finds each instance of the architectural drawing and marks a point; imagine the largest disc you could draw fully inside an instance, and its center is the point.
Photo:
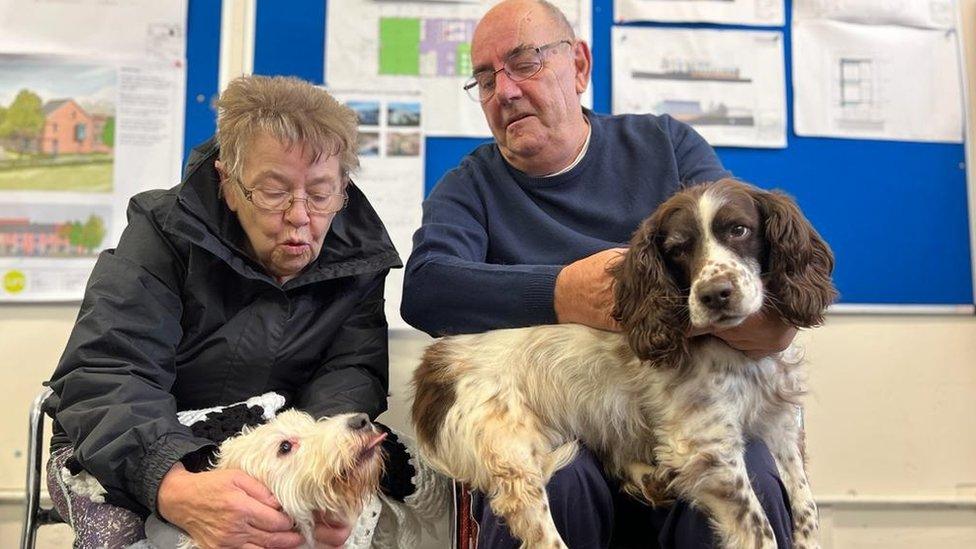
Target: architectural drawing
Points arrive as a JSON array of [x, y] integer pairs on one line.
[[57, 125], [728, 85], [858, 101]]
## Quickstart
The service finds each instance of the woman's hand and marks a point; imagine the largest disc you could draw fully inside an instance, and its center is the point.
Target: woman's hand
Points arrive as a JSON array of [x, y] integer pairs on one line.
[[331, 532], [224, 508]]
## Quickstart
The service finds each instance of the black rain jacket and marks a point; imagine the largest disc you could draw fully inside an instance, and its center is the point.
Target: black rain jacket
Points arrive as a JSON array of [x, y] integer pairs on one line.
[[178, 317]]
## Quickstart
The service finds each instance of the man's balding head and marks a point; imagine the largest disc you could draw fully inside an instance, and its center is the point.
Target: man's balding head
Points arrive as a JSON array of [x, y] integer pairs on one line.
[[529, 12], [537, 120]]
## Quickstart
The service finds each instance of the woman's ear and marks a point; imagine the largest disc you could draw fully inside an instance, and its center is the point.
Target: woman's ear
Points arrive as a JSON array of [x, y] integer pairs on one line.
[[226, 190]]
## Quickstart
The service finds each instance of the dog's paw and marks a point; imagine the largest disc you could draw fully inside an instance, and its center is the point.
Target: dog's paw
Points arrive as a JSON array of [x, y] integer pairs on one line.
[[642, 482]]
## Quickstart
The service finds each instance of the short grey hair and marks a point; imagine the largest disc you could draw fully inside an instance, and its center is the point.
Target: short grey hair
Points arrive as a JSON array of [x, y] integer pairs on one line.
[[290, 110]]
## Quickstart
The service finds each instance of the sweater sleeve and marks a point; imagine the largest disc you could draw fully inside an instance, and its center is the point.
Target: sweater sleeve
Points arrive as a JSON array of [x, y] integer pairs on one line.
[[450, 288], [113, 382], [697, 161]]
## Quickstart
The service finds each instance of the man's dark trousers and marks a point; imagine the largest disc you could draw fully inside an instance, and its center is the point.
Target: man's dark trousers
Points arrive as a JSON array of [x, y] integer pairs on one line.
[[591, 512]]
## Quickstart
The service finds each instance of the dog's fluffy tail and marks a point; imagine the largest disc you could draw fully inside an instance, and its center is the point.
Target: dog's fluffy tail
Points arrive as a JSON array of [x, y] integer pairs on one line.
[[560, 457]]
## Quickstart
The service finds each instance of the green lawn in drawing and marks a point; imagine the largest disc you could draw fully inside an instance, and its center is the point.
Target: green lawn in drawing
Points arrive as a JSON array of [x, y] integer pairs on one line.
[[90, 174]]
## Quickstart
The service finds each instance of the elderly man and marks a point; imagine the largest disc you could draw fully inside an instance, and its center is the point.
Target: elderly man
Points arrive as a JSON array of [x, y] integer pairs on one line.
[[522, 232]]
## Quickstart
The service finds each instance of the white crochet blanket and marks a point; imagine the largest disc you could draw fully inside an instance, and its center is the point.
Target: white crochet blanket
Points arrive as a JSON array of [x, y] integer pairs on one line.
[[389, 524]]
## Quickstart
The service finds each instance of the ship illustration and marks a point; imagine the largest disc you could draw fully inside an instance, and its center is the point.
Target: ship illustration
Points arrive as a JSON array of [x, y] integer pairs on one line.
[[700, 71], [691, 112]]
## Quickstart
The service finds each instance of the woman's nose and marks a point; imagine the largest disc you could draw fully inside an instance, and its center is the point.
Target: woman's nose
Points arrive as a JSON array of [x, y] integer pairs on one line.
[[297, 213]]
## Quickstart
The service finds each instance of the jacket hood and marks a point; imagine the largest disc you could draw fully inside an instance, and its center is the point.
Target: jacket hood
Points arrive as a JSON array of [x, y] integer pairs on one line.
[[357, 241]]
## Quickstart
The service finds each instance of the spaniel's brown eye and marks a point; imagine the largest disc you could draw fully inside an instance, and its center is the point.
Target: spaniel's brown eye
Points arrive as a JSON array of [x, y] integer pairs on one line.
[[739, 231], [284, 448]]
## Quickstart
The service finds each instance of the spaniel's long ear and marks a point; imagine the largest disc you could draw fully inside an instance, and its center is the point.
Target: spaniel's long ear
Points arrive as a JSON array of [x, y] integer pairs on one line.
[[647, 302], [798, 262]]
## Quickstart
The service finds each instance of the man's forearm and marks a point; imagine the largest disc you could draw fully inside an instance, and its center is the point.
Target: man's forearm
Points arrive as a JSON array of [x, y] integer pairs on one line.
[[454, 297]]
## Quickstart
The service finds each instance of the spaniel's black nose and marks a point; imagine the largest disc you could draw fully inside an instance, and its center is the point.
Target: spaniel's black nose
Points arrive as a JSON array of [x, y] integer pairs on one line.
[[358, 421], [715, 294]]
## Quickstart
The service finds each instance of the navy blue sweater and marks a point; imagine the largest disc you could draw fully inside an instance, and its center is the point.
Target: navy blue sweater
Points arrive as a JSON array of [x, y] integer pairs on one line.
[[493, 239]]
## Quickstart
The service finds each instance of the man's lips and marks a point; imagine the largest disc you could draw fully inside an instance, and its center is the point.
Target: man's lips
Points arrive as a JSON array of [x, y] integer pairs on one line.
[[515, 118]]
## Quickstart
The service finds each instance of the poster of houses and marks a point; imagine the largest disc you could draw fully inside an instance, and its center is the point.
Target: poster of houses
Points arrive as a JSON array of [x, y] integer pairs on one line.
[[57, 135], [57, 125], [78, 137]]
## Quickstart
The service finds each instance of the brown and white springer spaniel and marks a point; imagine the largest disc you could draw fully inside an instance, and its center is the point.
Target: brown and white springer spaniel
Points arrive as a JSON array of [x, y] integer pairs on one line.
[[667, 414]]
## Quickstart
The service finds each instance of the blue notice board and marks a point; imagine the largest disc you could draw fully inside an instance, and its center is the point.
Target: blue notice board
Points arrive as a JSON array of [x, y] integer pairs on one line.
[[202, 65], [894, 212]]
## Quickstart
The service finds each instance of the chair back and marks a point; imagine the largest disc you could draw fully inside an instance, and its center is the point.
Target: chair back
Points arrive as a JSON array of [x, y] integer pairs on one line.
[[34, 515]]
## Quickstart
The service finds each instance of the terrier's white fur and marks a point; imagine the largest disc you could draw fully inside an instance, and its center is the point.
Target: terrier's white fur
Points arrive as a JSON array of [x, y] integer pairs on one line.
[[331, 464]]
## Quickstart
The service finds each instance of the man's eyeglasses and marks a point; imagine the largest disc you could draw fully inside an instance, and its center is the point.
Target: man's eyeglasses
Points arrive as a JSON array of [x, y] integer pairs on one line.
[[520, 65], [271, 200]]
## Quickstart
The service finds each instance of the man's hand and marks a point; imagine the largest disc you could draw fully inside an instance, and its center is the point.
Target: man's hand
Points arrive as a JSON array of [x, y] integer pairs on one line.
[[584, 291], [330, 531], [759, 335], [224, 508]]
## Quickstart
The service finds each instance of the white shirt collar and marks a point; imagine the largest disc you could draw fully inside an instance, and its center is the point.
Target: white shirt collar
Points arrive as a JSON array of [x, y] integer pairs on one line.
[[582, 153]]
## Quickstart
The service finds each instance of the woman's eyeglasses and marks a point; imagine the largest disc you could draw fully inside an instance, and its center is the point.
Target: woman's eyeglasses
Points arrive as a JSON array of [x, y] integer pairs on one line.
[[272, 200]]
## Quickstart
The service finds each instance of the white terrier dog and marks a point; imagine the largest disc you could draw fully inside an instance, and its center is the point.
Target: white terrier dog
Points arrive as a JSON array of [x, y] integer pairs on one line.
[[334, 463]]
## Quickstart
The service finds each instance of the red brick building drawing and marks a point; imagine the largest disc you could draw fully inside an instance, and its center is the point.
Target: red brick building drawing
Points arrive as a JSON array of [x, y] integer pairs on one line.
[[69, 129], [20, 237]]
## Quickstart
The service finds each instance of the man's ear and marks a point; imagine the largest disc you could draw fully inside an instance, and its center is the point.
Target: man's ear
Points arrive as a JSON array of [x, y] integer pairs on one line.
[[231, 197], [583, 61]]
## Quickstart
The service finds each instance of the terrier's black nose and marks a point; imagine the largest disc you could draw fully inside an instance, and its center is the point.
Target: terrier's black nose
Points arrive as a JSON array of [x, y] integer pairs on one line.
[[358, 421], [716, 294]]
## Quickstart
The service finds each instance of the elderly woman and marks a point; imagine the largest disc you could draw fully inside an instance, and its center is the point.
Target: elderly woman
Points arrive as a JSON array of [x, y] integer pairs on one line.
[[262, 271]]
